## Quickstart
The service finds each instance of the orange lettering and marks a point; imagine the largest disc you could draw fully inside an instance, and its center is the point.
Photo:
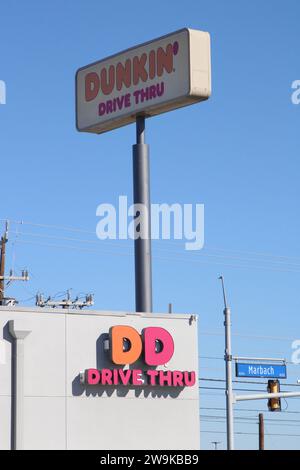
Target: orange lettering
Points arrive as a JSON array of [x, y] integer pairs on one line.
[[92, 86], [164, 60], [139, 71], [117, 336], [152, 70], [123, 74], [108, 86]]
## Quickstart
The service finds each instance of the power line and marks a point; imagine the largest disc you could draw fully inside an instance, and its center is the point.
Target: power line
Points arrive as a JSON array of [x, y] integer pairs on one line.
[[162, 258], [248, 382], [247, 336], [165, 250], [254, 420], [219, 358], [275, 265], [248, 410], [251, 433], [81, 230], [235, 389]]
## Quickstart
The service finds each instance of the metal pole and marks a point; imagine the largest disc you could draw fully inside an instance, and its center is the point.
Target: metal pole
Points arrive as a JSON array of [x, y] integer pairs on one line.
[[18, 384], [2, 270], [142, 243], [261, 429], [262, 359], [265, 396], [228, 367], [229, 391], [4, 239]]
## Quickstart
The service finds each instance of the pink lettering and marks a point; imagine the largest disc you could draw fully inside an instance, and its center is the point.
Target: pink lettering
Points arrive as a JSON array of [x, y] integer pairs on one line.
[[152, 374], [177, 379], [125, 376], [101, 109], [152, 336], [165, 378], [115, 377], [92, 376], [137, 377], [189, 378], [106, 377]]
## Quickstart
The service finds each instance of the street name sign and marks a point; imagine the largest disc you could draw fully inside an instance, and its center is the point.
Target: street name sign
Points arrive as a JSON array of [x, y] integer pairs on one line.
[[146, 80], [268, 371]]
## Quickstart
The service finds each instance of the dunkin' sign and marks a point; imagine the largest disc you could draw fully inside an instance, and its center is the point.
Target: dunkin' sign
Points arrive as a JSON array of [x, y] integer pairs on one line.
[[155, 347], [149, 79]]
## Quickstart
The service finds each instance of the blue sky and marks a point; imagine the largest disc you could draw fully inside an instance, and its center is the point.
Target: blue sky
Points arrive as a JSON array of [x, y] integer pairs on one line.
[[237, 153]]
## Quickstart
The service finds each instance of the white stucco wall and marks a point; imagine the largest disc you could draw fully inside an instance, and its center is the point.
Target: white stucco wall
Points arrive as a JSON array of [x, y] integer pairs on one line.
[[60, 413]]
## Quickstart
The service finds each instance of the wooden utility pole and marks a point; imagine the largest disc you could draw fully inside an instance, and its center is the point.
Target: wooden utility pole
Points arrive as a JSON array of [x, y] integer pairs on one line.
[[261, 429], [4, 239], [11, 277]]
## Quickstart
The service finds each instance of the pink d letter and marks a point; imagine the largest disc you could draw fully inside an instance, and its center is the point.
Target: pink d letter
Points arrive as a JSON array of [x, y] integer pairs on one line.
[[92, 376], [153, 337]]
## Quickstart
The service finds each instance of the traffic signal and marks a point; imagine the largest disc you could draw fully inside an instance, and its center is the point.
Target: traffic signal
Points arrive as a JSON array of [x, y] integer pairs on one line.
[[274, 404]]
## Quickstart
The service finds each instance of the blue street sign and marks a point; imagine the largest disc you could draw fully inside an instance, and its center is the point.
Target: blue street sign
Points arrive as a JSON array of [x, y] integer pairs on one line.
[[266, 371]]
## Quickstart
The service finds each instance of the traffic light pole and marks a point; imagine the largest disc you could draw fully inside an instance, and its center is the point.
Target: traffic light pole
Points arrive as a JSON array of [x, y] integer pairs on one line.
[[231, 398], [142, 242], [228, 367], [229, 391], [263, 396]]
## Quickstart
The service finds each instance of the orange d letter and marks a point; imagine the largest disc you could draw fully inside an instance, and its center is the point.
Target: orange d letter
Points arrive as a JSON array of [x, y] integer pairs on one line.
[[126, 345], [92, 86]]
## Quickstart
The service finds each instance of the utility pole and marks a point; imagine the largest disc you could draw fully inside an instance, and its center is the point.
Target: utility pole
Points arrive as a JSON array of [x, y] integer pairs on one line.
[[261, 431], [3, 278], [228, 368], [4, 239]]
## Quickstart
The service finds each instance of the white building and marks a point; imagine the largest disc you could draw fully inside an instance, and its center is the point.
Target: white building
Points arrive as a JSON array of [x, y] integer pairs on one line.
[[44, 405]]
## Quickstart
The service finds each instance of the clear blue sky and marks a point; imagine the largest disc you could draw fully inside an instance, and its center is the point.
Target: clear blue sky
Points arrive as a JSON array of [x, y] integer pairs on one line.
[[238, 154]]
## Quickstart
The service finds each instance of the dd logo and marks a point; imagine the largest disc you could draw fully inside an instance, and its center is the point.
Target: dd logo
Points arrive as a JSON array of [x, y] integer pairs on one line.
[[127, 345]]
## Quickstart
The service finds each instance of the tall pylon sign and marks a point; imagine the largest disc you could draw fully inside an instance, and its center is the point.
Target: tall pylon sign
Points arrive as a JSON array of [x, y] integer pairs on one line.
[[146, 80]]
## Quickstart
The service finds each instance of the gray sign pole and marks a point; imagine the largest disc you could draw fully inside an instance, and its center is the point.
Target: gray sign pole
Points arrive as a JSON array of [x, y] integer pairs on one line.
[[228, 362], [142, 243]]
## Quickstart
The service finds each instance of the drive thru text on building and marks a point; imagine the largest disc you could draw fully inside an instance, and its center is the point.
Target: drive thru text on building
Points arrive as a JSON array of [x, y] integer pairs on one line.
[[126, 348]]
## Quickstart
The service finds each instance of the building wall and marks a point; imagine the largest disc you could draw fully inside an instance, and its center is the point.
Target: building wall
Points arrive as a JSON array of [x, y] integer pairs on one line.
[[61, 413]]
